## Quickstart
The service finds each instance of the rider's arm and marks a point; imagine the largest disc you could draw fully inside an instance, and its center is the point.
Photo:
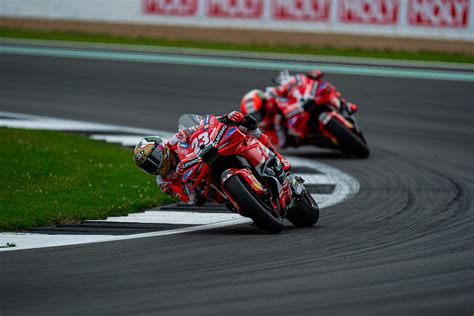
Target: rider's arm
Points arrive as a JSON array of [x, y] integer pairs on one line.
[[283, 89], [247, 125], [180, 191], [179, 137], [173, 188]]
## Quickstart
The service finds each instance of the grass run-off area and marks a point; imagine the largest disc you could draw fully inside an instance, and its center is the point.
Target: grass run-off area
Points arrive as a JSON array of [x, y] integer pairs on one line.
[[252, 47], [52, 177]]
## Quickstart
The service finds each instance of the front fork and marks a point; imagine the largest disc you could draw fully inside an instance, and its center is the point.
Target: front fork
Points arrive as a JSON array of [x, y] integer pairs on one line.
[[296, 184], [299, 191]]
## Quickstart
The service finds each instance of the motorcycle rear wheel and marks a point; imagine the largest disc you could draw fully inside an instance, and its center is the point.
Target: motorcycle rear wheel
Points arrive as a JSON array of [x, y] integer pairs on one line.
[[253, 206], [350, 143], [305, 213]]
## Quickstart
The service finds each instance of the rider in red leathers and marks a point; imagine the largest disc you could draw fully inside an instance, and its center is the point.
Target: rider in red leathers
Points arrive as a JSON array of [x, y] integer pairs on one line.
[[162, 159], [282, 111]]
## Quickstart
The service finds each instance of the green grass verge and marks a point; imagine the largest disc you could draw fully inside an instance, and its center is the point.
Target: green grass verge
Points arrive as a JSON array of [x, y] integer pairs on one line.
[[326, 51], [52, 177]]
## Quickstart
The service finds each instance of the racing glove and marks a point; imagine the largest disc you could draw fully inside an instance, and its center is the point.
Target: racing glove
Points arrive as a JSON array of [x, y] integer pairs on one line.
[[236, 118]]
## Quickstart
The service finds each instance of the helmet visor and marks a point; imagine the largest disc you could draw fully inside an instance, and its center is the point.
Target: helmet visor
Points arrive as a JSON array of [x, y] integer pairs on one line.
[[154, 161], [150, 166]]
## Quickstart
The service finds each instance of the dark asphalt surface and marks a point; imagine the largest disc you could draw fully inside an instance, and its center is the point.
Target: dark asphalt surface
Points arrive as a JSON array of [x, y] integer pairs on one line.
[[403, 245]]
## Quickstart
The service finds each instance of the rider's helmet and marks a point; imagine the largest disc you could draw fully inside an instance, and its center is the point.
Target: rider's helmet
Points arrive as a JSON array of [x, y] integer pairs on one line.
[[252, 103], [315, 74], [153, 156]]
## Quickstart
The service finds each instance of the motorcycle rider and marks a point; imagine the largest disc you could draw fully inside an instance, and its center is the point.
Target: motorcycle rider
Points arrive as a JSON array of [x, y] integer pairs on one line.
[[280, 110], [161, 159]]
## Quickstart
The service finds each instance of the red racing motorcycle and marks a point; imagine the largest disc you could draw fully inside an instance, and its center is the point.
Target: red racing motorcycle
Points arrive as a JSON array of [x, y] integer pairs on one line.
[[226, 165], [330, 120]]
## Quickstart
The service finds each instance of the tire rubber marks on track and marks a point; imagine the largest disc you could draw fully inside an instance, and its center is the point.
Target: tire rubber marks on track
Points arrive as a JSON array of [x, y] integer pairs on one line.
[[328, 186]]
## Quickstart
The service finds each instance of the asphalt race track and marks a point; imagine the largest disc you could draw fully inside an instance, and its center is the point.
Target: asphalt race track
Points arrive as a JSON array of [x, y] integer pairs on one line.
[[402, 245]]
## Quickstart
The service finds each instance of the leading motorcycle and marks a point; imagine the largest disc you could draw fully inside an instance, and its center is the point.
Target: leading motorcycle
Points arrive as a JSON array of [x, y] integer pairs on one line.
[[226, 165]]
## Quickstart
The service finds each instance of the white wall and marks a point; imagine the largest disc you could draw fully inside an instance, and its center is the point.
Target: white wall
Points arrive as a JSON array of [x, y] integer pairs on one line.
[[438, 19]]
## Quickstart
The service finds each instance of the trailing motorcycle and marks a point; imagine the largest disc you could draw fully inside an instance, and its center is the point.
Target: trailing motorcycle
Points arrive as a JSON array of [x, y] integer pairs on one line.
[[329, 118], [226, 165]]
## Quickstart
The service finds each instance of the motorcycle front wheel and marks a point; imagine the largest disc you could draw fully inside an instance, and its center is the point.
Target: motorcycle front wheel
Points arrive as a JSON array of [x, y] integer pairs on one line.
[[305, 213], [350, 143], [253, 206]]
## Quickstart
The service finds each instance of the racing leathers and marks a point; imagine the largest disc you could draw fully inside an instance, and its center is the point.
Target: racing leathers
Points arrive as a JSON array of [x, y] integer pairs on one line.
[[179, 145]]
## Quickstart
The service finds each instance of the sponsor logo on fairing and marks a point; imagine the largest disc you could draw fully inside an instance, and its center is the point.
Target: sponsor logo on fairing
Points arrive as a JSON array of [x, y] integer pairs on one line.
[[369, 11], [230, 132], [170, 7], [220, 134], [301, 10], [249, 9], [439, 13], [187, 174], [191, 163]]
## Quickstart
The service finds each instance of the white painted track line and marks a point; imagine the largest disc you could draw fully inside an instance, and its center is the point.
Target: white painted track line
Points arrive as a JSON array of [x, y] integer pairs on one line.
[[124, 140], [174, 217], [17, 120], [30, 241], [346, 185]]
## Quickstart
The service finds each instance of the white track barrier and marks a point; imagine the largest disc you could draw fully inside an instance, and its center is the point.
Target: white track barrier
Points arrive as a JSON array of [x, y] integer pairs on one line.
[[432, 19]]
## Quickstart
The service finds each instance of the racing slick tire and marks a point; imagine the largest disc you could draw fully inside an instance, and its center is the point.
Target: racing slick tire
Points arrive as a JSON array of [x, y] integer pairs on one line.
[[350, 143], [253, 206], [305, 213]]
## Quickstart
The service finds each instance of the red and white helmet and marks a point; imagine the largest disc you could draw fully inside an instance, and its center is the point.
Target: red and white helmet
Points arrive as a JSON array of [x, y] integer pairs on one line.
[[315, 74], [252, 104]]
